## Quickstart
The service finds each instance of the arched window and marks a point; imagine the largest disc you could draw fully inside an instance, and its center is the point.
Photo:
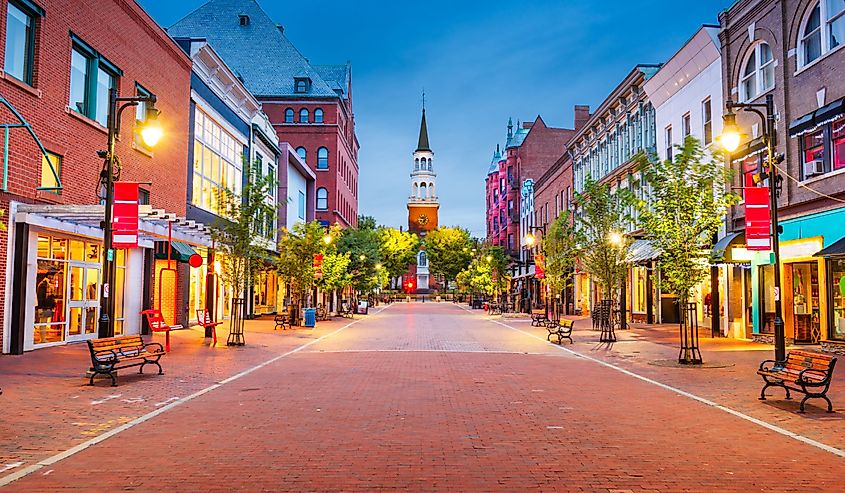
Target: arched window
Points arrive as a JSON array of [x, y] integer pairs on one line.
[[431, 190], [318, 115], [422, 260], [303, 115], [289, 115], [429, 164], [758, 73], [422, 163], [416, 164], [423, 191], [322, 158], [415, 193], [302, 153], [322, 199], [823, 31]]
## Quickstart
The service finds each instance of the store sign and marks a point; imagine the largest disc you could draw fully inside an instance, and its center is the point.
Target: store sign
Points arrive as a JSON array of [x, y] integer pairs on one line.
[[125, 215], [758, 219], [318, 266], [540, 266]]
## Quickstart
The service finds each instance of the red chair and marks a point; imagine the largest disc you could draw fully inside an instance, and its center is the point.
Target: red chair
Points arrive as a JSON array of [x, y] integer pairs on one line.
[[157, 324], [204, 320]]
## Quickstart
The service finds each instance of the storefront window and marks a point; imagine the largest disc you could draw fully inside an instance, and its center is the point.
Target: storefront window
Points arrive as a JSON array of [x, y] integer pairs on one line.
[[640, 286], [814, 146], [50, 301], [805, 301], [837, 296], [839, 144], [767, 292]]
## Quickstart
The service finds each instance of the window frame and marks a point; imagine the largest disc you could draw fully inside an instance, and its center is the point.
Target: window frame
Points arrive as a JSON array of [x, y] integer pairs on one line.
[[94, 63], [304, 111], [667, 142], [319, 115], [303, 155], [324, 199], [707, 121], [322, 163], [823, 30], [758, 72], [33, 12], [290, 115], [301, 206], [686, 125], [56, 166]]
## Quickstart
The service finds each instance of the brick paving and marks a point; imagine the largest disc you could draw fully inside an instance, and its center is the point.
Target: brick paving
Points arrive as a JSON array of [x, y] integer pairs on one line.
[[435, 398]]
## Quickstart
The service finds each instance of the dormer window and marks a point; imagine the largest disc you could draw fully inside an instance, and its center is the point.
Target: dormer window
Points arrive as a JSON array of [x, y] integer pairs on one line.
[[301, 85], [243, 19]]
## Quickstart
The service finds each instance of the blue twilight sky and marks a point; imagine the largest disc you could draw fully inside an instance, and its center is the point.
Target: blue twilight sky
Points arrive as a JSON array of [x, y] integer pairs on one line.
[[479, 62]]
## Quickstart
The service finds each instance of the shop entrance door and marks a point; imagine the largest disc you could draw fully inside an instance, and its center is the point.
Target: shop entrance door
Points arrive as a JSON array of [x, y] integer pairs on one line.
[[83, 307]]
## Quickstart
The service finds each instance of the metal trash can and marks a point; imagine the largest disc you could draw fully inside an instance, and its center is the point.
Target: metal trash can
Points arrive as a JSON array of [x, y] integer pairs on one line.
[[310, 316], [363, 307]]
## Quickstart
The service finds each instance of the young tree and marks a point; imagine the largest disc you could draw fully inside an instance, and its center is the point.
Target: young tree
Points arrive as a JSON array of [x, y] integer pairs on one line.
[[682, 213], [560, 247], [486, 273], [363, 246], [240, 236], [449, 251], [398, 250], [296, 257], [600, 228], [335, 271]]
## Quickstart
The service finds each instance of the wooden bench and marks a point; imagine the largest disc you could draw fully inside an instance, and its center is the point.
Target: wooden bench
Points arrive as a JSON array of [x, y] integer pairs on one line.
[[204, 320], [282, 319], [157, 324], [116, 353], [321, 313], [803, 371], [538, 318], [562, 329]]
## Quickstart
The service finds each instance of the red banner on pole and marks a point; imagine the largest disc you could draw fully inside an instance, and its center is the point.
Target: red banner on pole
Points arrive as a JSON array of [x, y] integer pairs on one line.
[[539, 266], [318, 266], [125, 215], [758, 219]]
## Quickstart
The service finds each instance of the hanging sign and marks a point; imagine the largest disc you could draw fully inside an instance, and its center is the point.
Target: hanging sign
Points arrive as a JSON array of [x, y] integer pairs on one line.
[[318, 266], [540, 266], [758, 219], [125, 215]]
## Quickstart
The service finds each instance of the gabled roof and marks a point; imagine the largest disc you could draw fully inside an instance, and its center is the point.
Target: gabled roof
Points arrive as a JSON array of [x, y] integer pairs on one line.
[[494, 164], [258, 52], [336, 76]]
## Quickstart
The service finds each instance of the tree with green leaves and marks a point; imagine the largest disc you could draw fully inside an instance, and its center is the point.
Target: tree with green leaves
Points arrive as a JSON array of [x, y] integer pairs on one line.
[[449, 251], [363, 244], [560, 247], [600, 231], [684, 208], [486, 273], [297, 248], [241, 234], [398, 250]]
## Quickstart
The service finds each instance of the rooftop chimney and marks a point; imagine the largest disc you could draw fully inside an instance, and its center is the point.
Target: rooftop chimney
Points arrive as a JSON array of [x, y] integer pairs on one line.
[[582, 115]]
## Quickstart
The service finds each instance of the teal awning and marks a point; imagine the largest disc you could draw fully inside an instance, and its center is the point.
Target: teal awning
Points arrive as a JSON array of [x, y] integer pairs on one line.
[[181, 251]]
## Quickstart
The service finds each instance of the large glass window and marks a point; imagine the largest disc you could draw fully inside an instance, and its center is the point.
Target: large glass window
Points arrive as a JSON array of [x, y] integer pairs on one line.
[[813, 145], [322, 158], [638, 303], [758, 74], [20, 42], [767, 293], [91, 78], [823, 30], [837, 297], [217, 164]]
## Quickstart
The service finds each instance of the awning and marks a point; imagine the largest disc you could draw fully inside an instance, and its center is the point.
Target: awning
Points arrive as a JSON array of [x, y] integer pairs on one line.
[[84, 220], [180, 251], [837, 249], [642, 251], [817, 118], [723, 249]]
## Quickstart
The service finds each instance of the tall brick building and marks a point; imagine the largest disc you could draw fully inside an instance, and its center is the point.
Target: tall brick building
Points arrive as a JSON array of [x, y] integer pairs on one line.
[[57, 73], [309, 105], [792, 50]]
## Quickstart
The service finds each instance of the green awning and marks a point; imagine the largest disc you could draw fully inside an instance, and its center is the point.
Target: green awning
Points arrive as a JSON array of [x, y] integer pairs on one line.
[[181, 251]]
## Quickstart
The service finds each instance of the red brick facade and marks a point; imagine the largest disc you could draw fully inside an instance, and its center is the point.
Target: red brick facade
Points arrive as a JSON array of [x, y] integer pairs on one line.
[[337, 134], [128, 38]]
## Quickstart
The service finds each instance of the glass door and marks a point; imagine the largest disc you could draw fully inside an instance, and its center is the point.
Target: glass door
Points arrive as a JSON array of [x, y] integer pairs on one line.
[[83, 301]]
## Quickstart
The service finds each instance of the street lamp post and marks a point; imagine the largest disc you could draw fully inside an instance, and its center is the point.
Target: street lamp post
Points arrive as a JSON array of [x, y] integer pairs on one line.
[[150, 133], [730, 139]]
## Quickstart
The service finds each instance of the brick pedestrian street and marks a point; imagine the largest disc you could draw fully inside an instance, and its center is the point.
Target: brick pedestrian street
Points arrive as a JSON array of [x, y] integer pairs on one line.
[[420, 397]]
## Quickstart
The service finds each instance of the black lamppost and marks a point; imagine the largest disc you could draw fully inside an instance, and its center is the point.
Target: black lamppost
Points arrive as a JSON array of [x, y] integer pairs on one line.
[[150, 133], [730, 140], [531, 240]]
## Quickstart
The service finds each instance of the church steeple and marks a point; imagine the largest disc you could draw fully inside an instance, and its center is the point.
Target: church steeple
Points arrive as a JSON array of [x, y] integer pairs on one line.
[[423, 145]]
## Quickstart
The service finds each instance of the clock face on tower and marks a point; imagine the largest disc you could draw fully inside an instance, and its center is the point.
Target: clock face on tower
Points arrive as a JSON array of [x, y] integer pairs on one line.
[[422, 220]]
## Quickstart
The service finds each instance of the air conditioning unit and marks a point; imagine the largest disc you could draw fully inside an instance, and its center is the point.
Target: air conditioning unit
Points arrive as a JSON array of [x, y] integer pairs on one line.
[[813, 168]]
